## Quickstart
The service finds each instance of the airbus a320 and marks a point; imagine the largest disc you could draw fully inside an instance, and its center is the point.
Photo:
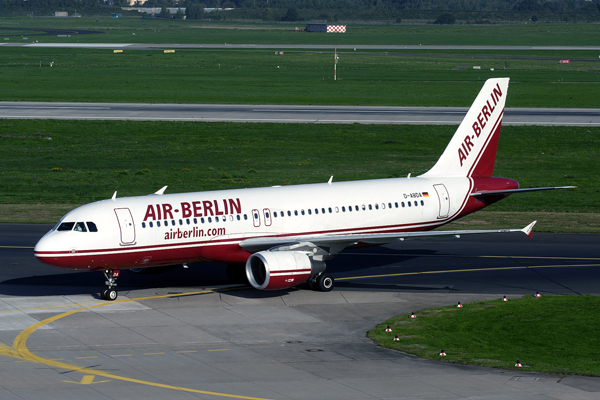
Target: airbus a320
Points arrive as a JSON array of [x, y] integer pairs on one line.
[[282, 236]]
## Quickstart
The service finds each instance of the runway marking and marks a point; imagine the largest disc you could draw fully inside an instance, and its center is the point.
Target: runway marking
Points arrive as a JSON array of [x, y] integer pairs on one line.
[[122, 355], [83, 358], [87, 380], [465, 270], [188, 351], [219, 350], [19, 350], [152, 354]]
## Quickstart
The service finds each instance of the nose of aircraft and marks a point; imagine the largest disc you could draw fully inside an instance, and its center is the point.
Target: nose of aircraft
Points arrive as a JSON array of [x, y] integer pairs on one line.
[[46, 250]]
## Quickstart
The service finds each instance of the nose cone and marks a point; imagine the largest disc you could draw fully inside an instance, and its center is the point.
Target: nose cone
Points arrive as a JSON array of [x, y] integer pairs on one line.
[[46, 250]]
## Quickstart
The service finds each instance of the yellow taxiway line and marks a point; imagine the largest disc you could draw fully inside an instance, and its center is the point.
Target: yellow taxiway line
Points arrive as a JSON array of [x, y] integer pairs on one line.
[[19, 350]]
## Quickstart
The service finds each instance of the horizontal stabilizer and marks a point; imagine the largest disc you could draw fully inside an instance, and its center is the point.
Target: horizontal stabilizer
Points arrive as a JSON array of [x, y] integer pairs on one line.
[[483, 193]]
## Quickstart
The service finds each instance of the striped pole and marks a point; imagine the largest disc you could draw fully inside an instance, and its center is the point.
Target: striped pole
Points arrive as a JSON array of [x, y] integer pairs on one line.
[[335, 64]]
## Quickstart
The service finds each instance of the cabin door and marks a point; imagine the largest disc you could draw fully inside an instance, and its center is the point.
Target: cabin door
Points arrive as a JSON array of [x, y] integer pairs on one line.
[[444, 200], [126, 225]]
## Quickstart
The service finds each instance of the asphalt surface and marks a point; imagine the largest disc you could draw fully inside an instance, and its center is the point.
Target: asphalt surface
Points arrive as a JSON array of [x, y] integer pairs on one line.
[[279, 113], [222, 340]]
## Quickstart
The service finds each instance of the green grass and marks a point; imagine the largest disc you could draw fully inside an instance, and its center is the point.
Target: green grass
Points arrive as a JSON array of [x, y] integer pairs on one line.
[[164, 31], [298, 77], [554, 334], [75, 162]]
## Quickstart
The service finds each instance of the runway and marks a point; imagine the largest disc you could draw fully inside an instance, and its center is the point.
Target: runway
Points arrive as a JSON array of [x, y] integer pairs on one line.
[[190, 334], [288, 113]]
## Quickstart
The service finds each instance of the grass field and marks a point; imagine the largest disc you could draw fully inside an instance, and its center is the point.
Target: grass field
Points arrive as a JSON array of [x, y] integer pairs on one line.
[[75, 162], [297, 77], [554, 334], [165, 31], [64, 163]]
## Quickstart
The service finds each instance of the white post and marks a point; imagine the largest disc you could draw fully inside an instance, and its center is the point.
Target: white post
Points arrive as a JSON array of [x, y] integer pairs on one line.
[[335, 64]]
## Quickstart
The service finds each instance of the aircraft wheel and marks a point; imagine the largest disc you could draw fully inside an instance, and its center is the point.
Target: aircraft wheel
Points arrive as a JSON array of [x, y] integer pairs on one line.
[[325, 283], [103, 294], [111, 294]]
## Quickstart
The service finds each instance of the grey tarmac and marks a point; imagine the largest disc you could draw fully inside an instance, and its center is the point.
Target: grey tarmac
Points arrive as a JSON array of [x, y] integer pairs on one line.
[[223, 340], [289, 113]]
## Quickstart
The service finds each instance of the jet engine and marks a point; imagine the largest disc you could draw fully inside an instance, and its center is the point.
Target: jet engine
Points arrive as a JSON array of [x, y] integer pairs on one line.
[[273, 270]]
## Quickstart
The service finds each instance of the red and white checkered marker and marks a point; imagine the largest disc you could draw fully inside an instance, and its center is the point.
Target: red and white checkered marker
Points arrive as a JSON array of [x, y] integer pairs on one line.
[[413, 315], [537, 294], [336, 28], [442, 353], [518, 364], [504, 298], [388, 329], [396, 339], [459, 305]]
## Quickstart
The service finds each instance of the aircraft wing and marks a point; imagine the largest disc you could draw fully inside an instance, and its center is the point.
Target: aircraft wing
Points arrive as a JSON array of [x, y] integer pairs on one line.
[[333, 244], [482, 193]]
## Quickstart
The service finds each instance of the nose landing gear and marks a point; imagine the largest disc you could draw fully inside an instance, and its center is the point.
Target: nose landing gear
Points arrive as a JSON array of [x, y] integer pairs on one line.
[[111, 281]]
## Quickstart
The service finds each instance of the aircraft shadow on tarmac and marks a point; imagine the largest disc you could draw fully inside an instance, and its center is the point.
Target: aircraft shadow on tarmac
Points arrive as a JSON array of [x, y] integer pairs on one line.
[[203, 275]]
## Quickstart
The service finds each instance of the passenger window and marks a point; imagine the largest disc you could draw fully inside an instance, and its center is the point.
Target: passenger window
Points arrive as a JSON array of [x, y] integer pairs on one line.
[[65, 226], [195, 221], [158, 223], [409, 204], [329, 210], [245, 216], [356, 208], [416, 204], [370, 207], [343, 209], [150, 223], [402, 204], [91, 227], [296, 213], [309, 212], [396, 204], [238, 217], [350, 208], [173, 222], [316, 210], [289, 213], [216, 219], [422, 203], [390, 205], [143, 224], [80, 227], [181, 222], [302, 212], [377, 206]]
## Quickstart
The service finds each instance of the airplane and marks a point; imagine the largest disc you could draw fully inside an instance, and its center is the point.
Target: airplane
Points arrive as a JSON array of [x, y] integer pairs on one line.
[[282, 236]]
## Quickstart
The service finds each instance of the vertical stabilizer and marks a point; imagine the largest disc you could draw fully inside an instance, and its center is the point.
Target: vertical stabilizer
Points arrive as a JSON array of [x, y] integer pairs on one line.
[[472, 149]]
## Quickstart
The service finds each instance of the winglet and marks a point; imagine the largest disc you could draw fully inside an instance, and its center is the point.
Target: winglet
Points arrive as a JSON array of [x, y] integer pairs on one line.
[[161, 191], [330, 180], [114, 197], [528, 230]]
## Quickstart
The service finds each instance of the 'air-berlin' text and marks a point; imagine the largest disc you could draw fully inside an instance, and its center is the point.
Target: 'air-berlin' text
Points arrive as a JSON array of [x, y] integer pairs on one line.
[[205, 208], [480, 122]]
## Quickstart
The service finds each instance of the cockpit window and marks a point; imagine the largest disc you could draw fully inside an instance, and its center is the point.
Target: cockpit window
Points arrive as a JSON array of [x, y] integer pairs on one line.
[[80, 227], [91, 226], [65, 226]]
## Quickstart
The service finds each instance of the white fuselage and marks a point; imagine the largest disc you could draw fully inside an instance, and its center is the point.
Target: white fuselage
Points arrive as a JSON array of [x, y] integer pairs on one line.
[[134, 232]]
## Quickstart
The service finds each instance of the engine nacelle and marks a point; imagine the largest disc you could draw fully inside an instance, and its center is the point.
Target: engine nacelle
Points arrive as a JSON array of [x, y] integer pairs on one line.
[[273, 270]]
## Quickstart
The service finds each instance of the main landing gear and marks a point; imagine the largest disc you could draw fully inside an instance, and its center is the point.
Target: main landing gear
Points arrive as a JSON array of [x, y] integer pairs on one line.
[[321, 282], [111, 281]]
